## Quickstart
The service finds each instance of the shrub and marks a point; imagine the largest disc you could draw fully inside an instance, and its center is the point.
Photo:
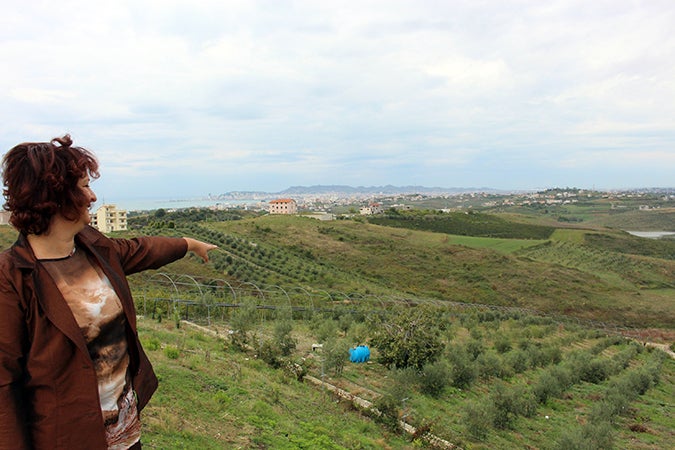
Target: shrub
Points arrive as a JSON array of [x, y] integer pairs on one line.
[[403, 386], [388, 406], [525, 344], [294, 370], [551, 354], [474, 348], [358, 332], [477, 420], [282, 337], [502, 407], [526, 403], [612, 405], [463, 371], [344, 322], [589, 437], [152, 344], [507, 403], [326, 329], [410, 338], [171, 352], [623, 358], [490, 365], [636, 382], [335, 355], [269, 352], [434, 378], [543, 356], [518, 360], [595, 370], [547, 385], [242, 323], [605, 343]]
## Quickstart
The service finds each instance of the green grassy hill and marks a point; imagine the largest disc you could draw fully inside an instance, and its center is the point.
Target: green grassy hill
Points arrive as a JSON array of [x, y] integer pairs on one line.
[[628, 283], [214, 397], [501, 382]]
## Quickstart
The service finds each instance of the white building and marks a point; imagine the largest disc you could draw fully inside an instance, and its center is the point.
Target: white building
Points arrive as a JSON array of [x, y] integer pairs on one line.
[[283, 206], [108, 218], [373, 208]]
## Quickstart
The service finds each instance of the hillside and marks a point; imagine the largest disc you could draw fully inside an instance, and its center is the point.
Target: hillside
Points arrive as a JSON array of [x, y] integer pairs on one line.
[[602, 274], [572, 273], [510, 342], [500, 383]]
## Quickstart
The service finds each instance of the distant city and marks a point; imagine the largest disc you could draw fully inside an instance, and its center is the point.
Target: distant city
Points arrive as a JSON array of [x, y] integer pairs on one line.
[[328, 197]]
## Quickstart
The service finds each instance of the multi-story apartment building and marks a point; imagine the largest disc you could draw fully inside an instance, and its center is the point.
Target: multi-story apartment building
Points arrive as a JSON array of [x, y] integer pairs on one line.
[[283, 206], [108, 218]]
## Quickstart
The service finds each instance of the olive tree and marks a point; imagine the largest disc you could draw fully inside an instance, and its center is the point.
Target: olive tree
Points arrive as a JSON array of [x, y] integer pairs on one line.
[[408, 337]]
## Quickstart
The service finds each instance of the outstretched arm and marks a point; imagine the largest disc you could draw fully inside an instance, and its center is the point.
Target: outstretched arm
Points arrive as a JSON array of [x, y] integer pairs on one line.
[[200, 248]]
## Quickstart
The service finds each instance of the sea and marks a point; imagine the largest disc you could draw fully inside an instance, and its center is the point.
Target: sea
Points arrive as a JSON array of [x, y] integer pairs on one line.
[[153, 204]]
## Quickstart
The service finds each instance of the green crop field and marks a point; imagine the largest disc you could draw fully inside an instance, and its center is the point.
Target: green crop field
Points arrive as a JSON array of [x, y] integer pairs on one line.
[[563, 275], [502, 381], [496, 244]]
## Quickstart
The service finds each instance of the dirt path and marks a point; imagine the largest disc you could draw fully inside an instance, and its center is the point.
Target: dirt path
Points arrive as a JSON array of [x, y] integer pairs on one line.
[[431, 439], [664, 347]]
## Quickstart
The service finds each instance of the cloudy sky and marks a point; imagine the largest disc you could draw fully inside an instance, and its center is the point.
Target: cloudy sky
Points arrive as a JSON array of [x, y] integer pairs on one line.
[[184, 98]]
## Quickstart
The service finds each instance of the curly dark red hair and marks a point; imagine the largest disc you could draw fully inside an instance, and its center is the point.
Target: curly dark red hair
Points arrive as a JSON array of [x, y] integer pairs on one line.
[[41, 180]]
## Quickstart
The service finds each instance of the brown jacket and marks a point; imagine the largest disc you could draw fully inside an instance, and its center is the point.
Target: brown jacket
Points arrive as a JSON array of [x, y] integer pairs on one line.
[[48, 387]]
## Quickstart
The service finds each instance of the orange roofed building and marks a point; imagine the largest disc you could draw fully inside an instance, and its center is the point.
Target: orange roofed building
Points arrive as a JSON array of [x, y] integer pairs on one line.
[[283, 206]]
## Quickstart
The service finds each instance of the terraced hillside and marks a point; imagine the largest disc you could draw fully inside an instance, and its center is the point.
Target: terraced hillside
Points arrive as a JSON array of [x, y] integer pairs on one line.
[[556, 275], [498, 381]]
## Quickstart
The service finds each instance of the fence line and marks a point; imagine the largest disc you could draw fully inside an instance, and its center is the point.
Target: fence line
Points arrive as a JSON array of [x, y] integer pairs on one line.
[[189, 293]]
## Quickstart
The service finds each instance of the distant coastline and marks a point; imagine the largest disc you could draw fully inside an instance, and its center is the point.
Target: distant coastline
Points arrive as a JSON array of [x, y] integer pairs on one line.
[[153, 204], [256, 198], [259, 198]]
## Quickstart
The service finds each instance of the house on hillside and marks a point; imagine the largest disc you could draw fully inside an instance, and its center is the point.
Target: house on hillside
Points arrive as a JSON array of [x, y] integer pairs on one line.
[[372, 208], [108, 218], [283, 206]]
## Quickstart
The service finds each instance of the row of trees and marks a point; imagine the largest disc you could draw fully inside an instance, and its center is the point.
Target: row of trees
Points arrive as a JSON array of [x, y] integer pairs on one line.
[[423, 358], [461, 223]]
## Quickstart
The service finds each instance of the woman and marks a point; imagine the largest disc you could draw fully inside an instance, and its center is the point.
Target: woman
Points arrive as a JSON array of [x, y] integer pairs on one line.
[[73, 374]]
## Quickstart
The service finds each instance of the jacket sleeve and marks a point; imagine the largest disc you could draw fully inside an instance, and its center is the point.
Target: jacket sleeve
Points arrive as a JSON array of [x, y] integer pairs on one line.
[[13, 343], [149, 252]]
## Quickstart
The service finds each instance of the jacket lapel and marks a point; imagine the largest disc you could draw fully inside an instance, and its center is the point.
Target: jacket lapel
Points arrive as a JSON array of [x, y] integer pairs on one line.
[[56, 309], [48, 294]]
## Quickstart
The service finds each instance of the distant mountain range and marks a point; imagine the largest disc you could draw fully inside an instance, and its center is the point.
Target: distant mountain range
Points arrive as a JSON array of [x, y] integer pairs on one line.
[[343, 189], [388, 189], [395, 190]]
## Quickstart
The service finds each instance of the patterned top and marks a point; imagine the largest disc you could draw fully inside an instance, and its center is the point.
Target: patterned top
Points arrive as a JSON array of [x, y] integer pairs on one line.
[[98, 312]]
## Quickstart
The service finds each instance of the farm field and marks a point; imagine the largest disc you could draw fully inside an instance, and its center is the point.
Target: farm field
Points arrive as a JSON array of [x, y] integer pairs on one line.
[[563, 275], [501, 383], [213, 397]]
